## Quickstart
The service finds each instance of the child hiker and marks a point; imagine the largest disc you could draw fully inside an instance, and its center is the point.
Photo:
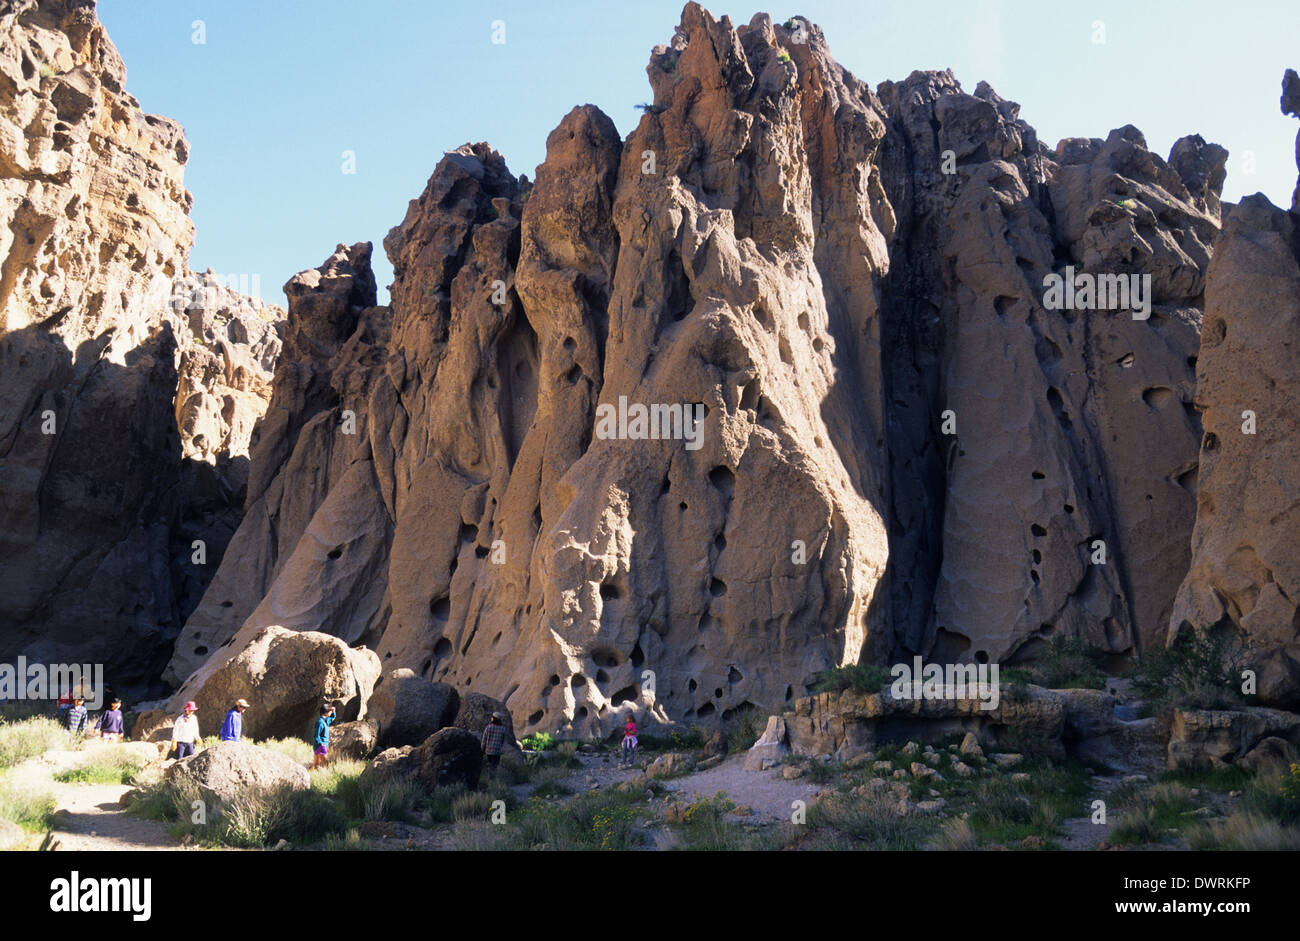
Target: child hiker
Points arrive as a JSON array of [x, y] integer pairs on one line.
[[629, 740], [110, 722], [321, 739]]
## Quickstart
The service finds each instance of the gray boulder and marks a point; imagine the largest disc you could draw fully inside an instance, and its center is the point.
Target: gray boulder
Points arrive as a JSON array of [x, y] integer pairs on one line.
[[408, 708], [229, 769]]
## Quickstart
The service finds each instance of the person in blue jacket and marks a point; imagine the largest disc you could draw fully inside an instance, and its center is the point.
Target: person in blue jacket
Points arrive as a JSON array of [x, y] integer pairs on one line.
[[232, 730], [321, 739]]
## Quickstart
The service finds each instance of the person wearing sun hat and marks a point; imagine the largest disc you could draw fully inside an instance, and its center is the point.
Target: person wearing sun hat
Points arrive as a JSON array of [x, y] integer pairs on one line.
[[185, 732], [232, 730]]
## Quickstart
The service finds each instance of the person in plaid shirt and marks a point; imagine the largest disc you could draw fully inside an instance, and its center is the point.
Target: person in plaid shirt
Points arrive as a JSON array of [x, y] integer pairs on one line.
[[76, 716], [494, 740]]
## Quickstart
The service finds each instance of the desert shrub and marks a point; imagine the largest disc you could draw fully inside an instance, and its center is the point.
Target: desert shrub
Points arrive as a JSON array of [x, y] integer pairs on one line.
[[823, 772], [28, 805], [567, 754], [28, 738], [517, 769], [954, 834], [596, 820], [745, 729], [868, 821], [863, 677], [1070, 663], [472, 805], [1202, 669], [1243, 831], [384, 797], [107, 766], [552, 789], [263, 818], [1147, 814]]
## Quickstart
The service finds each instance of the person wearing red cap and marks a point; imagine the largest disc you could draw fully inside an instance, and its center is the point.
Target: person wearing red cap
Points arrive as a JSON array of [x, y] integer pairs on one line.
[[185, 732]]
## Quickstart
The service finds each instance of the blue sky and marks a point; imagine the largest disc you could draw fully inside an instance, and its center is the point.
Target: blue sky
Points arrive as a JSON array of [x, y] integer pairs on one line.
[[279, 90]]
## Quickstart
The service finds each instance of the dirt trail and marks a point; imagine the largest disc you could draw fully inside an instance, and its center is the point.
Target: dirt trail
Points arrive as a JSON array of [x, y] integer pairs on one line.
[[89, 816], [766, 793]]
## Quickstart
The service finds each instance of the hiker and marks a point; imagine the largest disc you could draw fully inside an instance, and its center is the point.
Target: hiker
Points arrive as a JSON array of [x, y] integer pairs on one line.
[[494, 740], [232, 730], [75, 717], [185, 732], [321, 753], [109, 725], [629, 740]]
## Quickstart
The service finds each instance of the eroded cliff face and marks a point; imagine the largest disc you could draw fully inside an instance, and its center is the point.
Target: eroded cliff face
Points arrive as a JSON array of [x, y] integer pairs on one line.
[[1245, 566], [905, 445], [1073, 437], [824, 272], [129, 385]]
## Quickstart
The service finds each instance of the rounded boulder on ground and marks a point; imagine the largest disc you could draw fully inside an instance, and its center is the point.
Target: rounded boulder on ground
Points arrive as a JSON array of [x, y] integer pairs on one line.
[[408, 708], [476, 709], [286, 675], [228, 769], [451, 756], [356, 741], [447, 757]]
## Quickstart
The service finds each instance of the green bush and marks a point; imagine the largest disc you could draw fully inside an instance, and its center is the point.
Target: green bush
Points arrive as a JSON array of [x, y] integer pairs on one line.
[[1070, 663], [596, 820], [745, 729], [1291, 785], [1202, 669], [110, 766], [863, 677], [539, 741]]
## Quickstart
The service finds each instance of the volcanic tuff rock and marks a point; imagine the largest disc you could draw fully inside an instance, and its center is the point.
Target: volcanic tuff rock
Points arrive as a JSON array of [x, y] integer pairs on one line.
[[1245, 566], [129, 385], [786, 248], [904, 449]]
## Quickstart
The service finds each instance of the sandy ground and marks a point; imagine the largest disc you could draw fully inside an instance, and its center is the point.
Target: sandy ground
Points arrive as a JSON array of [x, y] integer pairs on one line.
[[89, 816]]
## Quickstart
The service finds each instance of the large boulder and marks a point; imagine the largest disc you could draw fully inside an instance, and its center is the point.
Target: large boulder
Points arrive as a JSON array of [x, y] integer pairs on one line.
[[448, 757], [474, 712], [229, 769], [1211, 737], [408, 708], [286, 676], [354, 740]]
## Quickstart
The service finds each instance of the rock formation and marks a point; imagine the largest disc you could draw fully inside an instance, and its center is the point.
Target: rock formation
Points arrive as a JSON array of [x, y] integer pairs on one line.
[[1245, 566], [129, 385], [950, 384], [826, 272]]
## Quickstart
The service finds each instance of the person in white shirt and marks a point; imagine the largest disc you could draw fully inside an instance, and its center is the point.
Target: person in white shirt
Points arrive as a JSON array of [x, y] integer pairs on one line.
[[185, 733]]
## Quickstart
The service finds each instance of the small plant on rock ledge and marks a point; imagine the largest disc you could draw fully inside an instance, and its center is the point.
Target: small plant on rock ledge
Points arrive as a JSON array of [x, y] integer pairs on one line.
[[863, 677]]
